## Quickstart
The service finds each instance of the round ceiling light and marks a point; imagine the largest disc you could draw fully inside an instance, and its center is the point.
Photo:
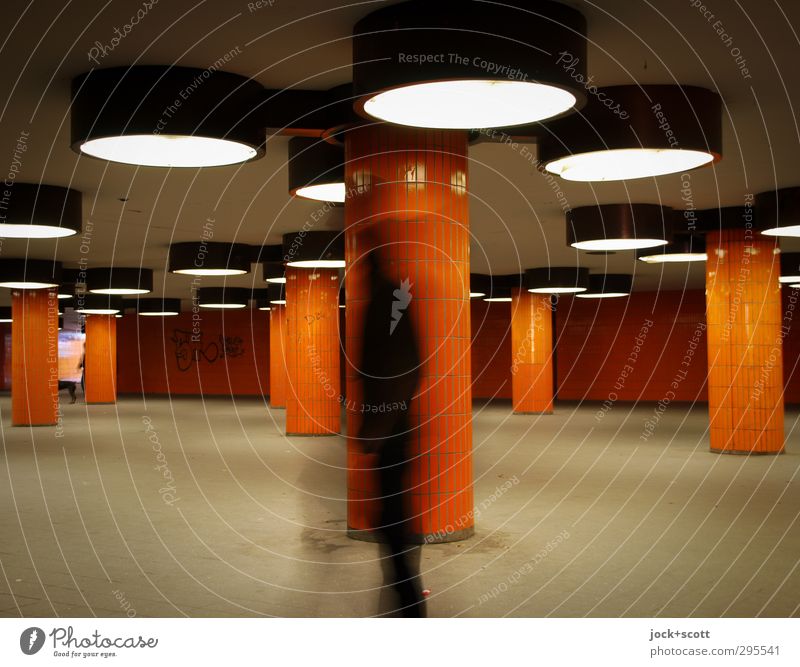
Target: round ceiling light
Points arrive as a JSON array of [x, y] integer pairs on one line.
[[464, 65], [98, 304], [779, 212], [158, 307], [159, 116], [316, 170], [619, 226], [608, 285], [314, 250], [119, 280], [223, 298], [682, 248], [628, 132], [557, 280], [29, 273], [207, 258], [40, 212]]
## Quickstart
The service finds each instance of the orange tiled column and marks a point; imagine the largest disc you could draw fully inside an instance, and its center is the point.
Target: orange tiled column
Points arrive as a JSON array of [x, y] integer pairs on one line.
[[278, 373], [101, 359], [410, 186], [745, 369], [313, 396], [34, 357], [532, 352]]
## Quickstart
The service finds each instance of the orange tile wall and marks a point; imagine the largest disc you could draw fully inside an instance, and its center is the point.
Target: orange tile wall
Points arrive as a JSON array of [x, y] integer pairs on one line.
[[632, 348], [532, 352], [157, 356], [491, 349], [278, 371], [313, 395], [410, 187], [101, 359], [745, 384], [34, 351]]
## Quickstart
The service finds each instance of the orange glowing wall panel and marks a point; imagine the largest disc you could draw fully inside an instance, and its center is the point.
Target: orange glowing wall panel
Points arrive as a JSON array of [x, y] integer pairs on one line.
[[745, 361], [211, 353], [532, 352], [34, 351], [632, 349], [491, 349], [313, 396], [410, 187], [278, 371], [101, 359]]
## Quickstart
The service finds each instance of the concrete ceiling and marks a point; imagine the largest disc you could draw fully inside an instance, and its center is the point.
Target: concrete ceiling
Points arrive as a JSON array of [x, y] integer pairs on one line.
[[516, 219]]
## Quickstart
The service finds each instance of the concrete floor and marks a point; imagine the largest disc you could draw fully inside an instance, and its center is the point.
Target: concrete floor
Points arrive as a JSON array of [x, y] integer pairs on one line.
[[594, 521]]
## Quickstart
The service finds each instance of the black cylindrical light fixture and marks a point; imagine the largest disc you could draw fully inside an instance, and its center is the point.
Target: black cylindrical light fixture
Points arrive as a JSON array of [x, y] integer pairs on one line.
[[266, 253], [500, 287], [682, 248], [316, 169], [164, 116], [119, 280], [314, 250], [557, 280], [273, 272], [634, 131], [464, 65], [607, 285], [33, 211], [223, 297], [158, 307], [790, 268], [779, 212], [480, 285], [69, 279], [5, 314], [29, 273], [98, 304], [209, 258], [260, 297], [727, 217], [276, 294], [619, 226]]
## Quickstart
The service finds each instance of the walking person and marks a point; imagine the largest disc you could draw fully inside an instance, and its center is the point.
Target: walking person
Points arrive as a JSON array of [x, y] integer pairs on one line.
[[389, 371]]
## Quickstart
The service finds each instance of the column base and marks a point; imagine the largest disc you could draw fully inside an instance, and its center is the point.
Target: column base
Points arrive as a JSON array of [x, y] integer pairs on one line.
[[534, 412], [277, 407], [738, 452], [101, 402], [311, 435], [430, 538]]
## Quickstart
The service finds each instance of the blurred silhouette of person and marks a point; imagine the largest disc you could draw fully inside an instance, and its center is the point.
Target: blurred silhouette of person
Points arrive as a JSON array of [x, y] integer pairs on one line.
[[389, 371], [82, 367]]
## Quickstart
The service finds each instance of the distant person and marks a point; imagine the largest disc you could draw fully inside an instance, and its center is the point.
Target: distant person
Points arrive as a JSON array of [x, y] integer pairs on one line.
[[82, 368], [389, 371]]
